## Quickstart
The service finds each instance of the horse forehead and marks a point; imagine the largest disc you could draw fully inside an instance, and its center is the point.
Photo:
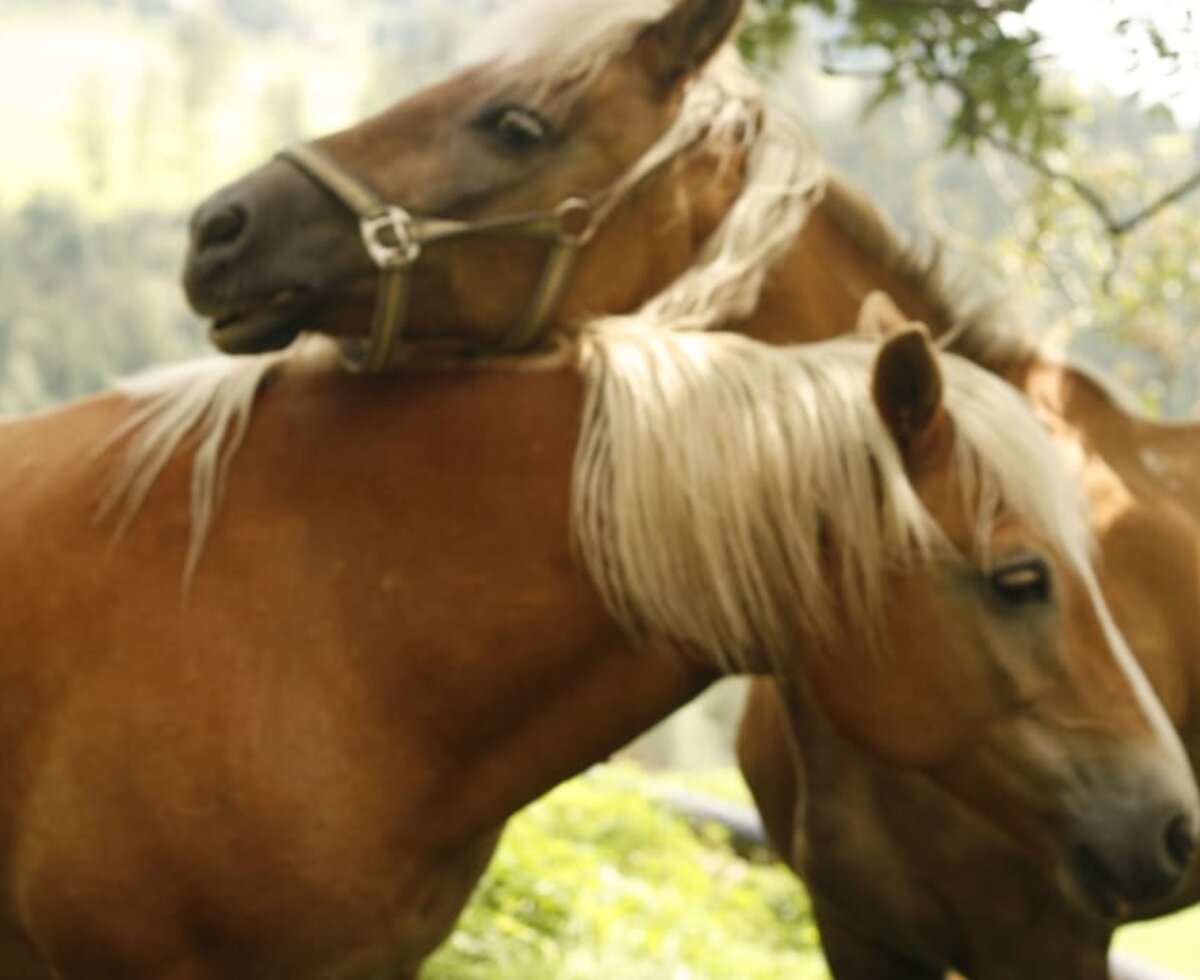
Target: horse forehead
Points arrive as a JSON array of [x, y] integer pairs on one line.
[[619, 106], [941, 490], [956, 508], [463, 93]]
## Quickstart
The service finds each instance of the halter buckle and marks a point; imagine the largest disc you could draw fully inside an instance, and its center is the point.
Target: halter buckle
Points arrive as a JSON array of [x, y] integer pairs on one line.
[[577, 221], [389, 239]]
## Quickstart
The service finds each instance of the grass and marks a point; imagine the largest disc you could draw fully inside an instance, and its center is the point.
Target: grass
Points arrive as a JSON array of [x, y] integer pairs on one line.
[[598, 879]]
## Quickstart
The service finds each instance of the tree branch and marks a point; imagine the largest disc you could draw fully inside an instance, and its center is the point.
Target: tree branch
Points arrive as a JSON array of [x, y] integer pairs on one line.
[[931, 71], [1117, 228], [1164, 200], [1090, 196]]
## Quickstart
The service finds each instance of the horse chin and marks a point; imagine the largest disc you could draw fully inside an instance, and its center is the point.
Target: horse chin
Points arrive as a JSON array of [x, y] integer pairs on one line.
[[262, 329], [1094, 888]]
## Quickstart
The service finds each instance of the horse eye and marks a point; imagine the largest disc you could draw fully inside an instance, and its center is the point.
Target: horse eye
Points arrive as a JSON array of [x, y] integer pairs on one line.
[[1022, 583], [518, 129]]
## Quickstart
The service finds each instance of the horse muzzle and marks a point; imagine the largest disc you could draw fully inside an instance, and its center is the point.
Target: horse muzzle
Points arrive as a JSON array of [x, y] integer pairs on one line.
[[267, 251], [264, 254], [1118, 870], [1134, 837]]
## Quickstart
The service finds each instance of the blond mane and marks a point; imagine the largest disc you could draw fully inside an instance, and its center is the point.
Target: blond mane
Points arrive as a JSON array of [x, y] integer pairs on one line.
[[211, 400], [715, 473]]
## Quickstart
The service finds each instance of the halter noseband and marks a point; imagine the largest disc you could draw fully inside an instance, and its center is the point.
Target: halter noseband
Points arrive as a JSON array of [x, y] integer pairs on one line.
[[394, 239]]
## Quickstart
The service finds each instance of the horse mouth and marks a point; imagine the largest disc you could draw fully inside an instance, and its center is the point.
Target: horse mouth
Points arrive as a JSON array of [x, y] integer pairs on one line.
[[263, 327], [1099, 887]]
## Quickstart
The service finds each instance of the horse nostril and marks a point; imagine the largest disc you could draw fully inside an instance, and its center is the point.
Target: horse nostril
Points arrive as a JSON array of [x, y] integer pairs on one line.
[[1181, 842], [222, 228]]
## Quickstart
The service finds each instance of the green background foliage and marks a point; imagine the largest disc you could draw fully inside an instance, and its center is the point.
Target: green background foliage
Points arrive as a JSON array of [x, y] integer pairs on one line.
[[600, 878]]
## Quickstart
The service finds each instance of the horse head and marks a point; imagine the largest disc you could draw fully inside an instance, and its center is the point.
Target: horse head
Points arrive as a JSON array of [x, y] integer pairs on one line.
[[499, 203], [1003, 677]]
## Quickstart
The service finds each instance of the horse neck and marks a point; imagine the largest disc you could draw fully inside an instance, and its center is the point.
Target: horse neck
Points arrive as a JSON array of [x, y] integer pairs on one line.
[[816, 291], [443, 501], [1151, 456]]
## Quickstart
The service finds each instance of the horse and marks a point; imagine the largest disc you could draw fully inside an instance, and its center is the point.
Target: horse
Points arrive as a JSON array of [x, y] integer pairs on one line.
[[614, 163], [892, 899], [418, 605]]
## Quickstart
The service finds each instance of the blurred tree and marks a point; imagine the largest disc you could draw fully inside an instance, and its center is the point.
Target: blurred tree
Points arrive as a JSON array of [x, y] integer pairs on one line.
[[260, 16], [149, 123], [413, 45], [1142, 321], [84, 301], [987, 60]]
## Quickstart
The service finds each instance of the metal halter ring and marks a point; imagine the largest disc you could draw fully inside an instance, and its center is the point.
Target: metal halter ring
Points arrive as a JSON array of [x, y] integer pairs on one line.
[[577, 221], [390, 255]]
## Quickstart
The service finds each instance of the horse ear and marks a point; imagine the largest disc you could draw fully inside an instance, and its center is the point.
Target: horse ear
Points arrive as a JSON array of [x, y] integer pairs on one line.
[[680, 44], [879, 316], [907, 389]]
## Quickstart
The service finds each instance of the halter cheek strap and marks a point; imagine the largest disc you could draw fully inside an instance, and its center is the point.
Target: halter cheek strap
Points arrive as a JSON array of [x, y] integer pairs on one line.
[[394, 239]]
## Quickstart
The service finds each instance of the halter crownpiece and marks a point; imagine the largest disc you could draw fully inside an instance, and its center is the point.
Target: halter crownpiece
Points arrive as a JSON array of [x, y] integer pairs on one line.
[[394, 239]]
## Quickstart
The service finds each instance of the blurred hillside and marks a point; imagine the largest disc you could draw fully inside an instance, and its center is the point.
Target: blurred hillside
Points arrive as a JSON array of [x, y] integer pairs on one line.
[[118, 115]]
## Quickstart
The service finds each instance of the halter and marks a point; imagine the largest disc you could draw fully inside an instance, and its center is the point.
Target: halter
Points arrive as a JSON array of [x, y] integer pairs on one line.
[[394, 240]]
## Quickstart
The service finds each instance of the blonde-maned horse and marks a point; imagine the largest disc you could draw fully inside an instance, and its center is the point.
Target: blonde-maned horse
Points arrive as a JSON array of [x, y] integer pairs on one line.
[[610, 160], [896, 899], [420, 602]]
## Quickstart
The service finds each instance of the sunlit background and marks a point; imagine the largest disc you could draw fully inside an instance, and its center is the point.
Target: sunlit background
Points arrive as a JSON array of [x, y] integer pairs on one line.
[[117, 115]]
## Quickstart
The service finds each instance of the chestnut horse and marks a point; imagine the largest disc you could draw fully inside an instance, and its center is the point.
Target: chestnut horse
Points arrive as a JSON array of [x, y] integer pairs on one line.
[[298, 767], [966, 898], [608, 162], [894, 899]]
